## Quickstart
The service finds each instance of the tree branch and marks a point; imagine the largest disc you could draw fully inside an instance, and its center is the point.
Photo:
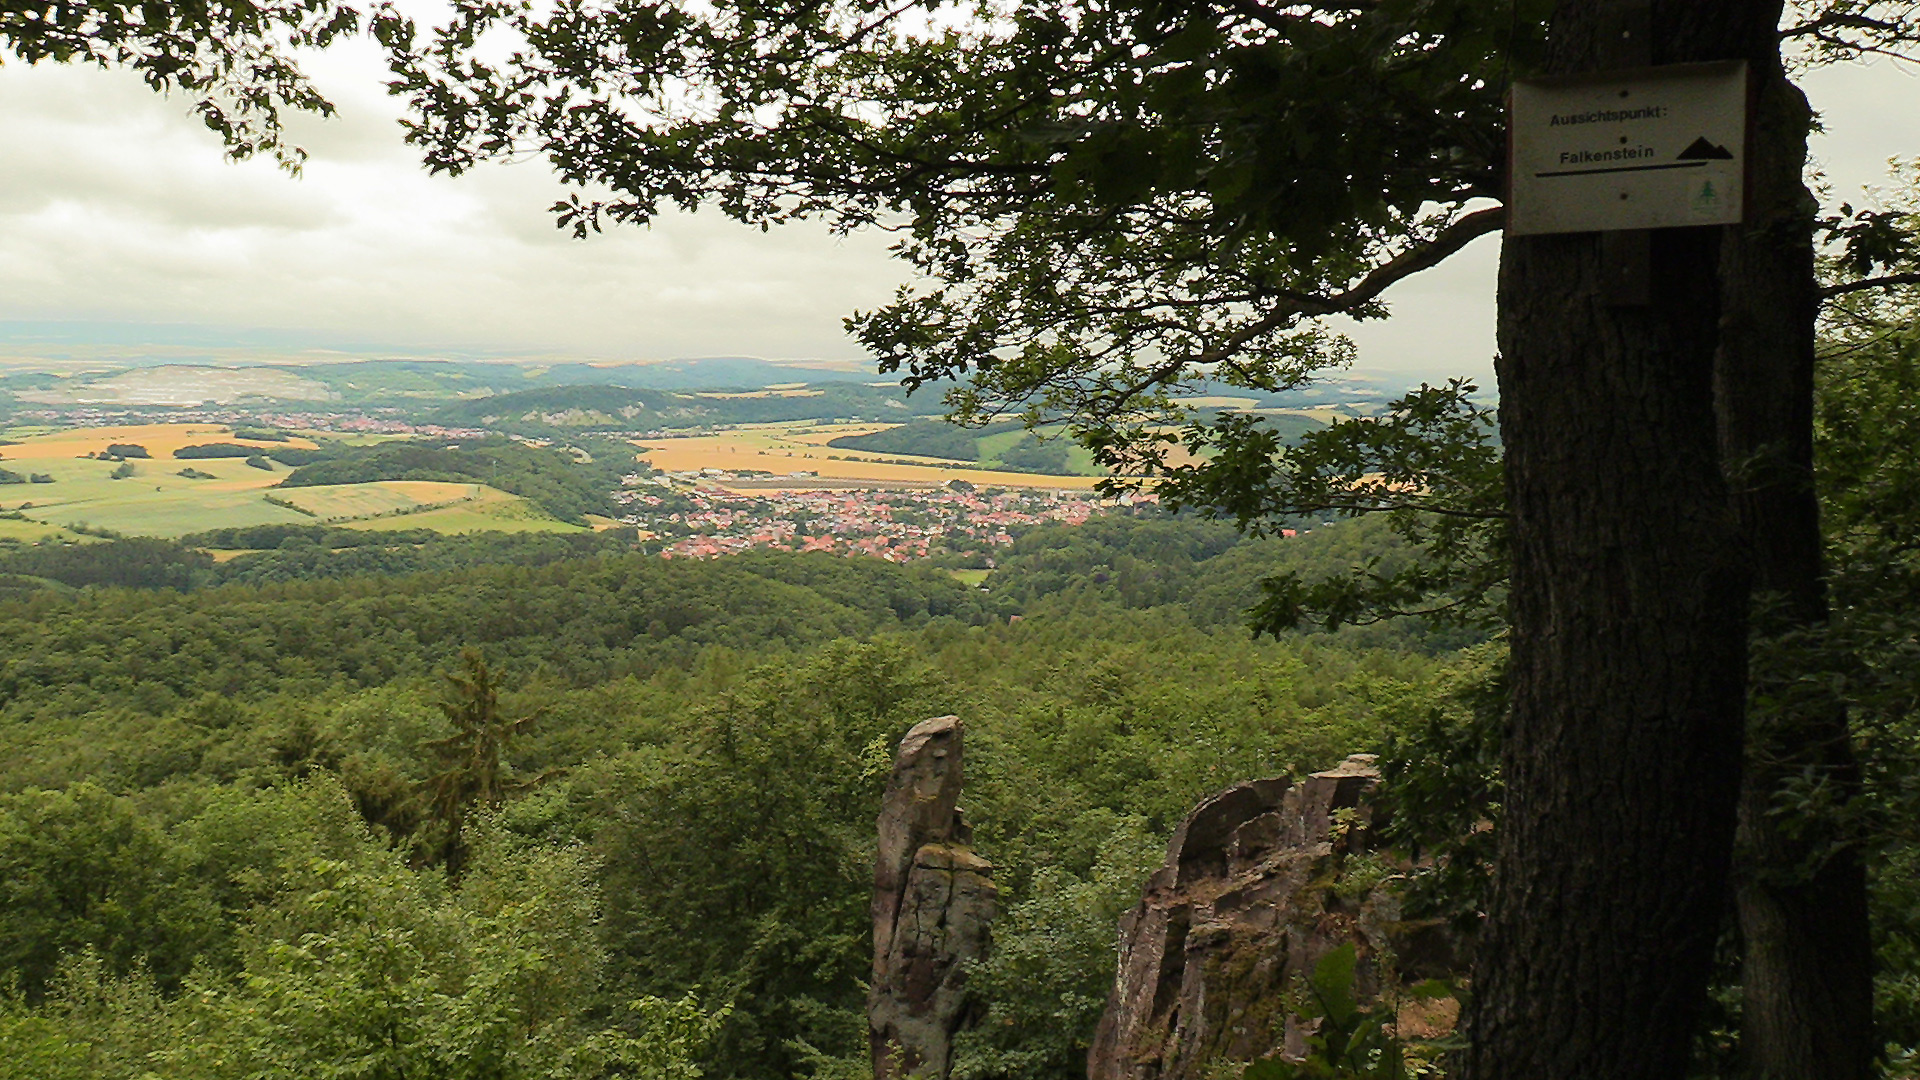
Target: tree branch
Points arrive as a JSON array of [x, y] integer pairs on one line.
[[1838, 22], [1404, 265], [1886, 281]]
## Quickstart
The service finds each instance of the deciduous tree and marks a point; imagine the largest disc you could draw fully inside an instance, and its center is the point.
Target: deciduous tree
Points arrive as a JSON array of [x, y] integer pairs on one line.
[[1112, 203]]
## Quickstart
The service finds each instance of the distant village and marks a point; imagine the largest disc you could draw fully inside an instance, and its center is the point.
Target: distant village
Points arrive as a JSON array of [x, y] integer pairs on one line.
[[713, 513]]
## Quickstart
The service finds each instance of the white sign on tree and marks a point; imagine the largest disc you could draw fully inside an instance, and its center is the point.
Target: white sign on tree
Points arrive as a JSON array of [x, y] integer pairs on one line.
[[1652, 148]]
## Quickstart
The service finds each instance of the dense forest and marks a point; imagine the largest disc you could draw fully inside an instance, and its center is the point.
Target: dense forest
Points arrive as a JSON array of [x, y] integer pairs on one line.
[[1636, 647], [244, 830], [216, 814], [223, 856], [224, 850], [566, 485]]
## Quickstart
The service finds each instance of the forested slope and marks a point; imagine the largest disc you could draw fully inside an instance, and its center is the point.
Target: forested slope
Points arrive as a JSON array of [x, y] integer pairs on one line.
[[577, 620], [187, 772], [554, 480]]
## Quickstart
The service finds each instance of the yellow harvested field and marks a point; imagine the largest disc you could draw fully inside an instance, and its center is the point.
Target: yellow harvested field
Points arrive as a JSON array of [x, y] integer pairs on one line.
[[780, 449], [161, 440], [154, 501], [822, 434], [225, 492], [1325, 414], [221, 555]]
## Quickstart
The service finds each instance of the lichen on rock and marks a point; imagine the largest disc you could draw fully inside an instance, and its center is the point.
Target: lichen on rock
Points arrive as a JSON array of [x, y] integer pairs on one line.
[[1250, 898]]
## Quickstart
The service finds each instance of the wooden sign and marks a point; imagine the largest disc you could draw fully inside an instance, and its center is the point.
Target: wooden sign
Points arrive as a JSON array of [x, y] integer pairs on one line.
[[1652, 148]]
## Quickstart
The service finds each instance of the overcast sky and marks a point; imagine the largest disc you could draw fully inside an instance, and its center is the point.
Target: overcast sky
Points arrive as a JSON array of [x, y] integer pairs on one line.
[[117, 207]]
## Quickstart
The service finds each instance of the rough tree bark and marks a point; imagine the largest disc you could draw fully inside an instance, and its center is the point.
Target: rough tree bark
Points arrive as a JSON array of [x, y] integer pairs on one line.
[[1807, 975], [1623, 755]]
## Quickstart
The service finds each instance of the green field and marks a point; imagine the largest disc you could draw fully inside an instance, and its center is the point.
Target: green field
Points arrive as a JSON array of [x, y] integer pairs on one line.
[[157, 501], [1079, 458], [341, 502], [32, 531], [154, 501], [499, 513]]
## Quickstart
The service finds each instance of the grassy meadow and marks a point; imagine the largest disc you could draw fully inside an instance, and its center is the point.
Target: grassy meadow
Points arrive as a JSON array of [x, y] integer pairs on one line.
[[486, 510], [341, 501], [156, 500]]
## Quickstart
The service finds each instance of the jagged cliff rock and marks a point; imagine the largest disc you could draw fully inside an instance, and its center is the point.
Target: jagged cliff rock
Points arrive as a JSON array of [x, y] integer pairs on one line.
[[1243, 908], [932, 901]]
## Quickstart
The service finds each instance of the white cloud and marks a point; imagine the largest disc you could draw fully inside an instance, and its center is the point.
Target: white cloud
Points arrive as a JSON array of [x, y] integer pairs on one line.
[[116, 205]]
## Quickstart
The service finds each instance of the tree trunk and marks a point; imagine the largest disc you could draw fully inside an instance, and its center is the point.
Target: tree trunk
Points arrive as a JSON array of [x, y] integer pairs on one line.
[[1623, 754], [1801, 892]]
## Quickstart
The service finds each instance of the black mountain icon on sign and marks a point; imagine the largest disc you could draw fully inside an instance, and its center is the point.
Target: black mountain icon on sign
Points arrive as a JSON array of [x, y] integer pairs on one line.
[[1702, 150]]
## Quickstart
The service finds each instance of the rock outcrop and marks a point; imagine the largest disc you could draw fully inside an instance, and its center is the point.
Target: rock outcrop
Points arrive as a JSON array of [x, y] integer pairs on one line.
[[1243, 908], [932, 901]]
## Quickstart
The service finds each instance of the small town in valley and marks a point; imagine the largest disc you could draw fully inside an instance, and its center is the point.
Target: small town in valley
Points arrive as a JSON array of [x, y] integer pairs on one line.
[[704, 516]]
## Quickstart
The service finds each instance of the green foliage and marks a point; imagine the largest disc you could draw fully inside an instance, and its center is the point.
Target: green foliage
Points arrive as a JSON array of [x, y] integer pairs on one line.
[[583, 621], [1875, 244], [214, 450], [134, 562], [128, 450], [1136, 562], [717, 734], [231, 59], [1031, 454], [297, 456], [1051, 967], [122, 471], [323, 553], [472, 759], [82, 870], [1440, 797], [1430, 465], [927, 438], [1866, 423], [742, 860], [1349, 1040], [251, 537], [1206, 568], [549, 478], [347, 963]]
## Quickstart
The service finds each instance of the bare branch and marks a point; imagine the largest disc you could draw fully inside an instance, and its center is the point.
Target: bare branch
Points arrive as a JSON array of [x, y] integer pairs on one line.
[[1886, 281], [1818, 27]]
